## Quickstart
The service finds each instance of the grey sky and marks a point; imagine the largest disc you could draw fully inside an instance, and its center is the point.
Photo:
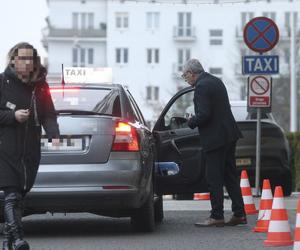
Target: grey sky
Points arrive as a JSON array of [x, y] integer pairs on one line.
[[21, 20]]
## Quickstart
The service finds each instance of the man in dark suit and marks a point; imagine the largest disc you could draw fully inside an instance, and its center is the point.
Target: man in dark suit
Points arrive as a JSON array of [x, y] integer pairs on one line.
[[218, 136]]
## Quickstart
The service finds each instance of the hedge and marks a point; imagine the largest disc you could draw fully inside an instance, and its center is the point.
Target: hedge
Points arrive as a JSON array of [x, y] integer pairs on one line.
[[294, 141]]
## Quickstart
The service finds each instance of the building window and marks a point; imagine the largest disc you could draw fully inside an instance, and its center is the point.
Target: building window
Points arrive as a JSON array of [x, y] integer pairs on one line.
[[216, 71], [122, 20], [152, 56], [122, 55], [152, 93], [83, 20], [184, 24], [90, 56], [152, 20], [216, 37], [82, 57], [246, 17], [183, 55], [271, 15]]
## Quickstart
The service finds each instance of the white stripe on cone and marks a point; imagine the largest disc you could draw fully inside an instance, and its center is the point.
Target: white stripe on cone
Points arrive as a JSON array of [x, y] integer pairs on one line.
[[279, 226], [248, 199], [244, 183], [267, 194], [296, 245], [278, 203], [297, 221]]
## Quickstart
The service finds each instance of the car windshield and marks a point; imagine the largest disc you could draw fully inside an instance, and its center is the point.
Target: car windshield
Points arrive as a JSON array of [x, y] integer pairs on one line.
[[92, 100]]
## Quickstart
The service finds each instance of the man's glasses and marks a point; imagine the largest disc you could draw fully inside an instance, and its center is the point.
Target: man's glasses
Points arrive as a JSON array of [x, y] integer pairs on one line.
[[184, 75]]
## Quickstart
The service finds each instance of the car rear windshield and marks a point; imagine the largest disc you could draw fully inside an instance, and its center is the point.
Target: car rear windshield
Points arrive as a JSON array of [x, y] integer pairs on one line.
[[100, 100]]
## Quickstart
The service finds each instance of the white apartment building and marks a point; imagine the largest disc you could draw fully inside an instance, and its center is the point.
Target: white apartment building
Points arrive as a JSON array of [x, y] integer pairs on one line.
[[147, 42]]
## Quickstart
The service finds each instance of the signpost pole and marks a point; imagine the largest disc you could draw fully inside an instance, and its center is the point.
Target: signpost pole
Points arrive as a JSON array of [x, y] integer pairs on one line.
[[261, 34], [258, 144]]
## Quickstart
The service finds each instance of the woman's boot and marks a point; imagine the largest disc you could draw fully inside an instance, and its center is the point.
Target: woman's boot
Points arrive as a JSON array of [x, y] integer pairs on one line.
[[13, 218], [7, 242]]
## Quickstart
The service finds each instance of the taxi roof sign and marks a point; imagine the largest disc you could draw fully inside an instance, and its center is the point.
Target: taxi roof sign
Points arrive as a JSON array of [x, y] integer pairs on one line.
[[87, 75]]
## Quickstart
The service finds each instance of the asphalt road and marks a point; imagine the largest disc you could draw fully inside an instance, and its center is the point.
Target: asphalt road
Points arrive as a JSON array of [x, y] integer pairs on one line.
[[91, 232]]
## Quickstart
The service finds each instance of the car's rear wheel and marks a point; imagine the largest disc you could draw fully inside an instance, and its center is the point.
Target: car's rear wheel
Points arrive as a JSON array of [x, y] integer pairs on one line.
[[158, 209], [143, 218]]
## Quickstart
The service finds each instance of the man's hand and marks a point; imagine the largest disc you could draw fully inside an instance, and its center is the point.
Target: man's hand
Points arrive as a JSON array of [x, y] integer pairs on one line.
[[22, 115]]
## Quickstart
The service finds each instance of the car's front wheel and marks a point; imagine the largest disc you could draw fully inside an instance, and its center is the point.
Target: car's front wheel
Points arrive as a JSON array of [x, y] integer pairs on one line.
[[143, 218]]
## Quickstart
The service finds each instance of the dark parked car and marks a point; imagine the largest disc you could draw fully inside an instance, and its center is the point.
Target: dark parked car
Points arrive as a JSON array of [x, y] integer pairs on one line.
[[275, 153]]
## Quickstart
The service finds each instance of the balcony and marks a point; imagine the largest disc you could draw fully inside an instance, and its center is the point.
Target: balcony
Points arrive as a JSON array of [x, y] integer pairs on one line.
[[56, 34], [82, 33], [184, 34]]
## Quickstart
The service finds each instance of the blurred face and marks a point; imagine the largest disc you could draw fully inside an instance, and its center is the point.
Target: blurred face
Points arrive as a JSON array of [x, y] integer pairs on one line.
[[23, 62], [189, 77]]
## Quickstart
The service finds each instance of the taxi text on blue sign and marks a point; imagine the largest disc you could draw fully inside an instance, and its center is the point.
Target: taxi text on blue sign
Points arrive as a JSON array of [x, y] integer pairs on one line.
[[260, 65]]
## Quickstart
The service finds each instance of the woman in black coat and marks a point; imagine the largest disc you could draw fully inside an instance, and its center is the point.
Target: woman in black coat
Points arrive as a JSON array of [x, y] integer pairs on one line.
[[25, 106]]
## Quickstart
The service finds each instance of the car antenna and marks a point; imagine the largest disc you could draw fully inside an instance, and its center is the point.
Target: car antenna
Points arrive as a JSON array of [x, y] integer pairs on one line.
[[63, 80]]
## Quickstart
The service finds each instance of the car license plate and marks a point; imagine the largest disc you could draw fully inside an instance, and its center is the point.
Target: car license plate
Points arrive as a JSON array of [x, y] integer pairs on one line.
[[65, 144], [243, 162]]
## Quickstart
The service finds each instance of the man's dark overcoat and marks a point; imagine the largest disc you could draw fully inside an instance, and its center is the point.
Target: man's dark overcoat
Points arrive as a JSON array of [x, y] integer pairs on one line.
[[213, 116]]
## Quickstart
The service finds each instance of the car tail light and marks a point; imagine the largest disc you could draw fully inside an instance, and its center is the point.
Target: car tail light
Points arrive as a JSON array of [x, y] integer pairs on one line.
[[126, 138]]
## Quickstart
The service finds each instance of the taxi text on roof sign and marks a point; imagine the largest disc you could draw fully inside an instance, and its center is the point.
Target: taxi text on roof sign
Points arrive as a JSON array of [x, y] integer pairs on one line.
[[87, 75]]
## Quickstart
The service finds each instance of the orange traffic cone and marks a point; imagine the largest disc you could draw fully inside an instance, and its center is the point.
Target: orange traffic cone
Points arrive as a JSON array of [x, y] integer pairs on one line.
[[279, 233], [297, 229], [247, 194], [265, 208], [201, 196]]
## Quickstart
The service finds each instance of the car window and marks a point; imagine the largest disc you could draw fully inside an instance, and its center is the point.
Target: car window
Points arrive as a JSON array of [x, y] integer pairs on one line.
[[181, 109], [104, 101], [135, 107]]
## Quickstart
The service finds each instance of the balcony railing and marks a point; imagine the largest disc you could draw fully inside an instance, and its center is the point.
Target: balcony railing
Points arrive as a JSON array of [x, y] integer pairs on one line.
[[64, 33], [184, 33]]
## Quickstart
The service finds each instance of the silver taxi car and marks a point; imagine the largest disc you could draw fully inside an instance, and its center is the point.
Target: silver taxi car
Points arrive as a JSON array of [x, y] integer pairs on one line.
[[109, 162]]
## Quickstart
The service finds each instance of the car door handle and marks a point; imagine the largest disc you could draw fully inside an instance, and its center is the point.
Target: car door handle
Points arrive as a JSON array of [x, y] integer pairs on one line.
[[175, 147], [172, 132]]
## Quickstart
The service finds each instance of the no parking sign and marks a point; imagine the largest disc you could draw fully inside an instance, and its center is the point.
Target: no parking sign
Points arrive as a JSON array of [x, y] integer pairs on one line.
[[260, 91], [261, 34]]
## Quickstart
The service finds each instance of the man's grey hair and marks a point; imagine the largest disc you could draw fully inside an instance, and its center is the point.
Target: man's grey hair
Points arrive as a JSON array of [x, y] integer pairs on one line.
[[193, 65]]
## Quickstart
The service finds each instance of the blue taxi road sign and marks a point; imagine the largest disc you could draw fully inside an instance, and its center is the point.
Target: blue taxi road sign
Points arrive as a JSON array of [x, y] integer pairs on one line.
[[260, 65], [261, 34]]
